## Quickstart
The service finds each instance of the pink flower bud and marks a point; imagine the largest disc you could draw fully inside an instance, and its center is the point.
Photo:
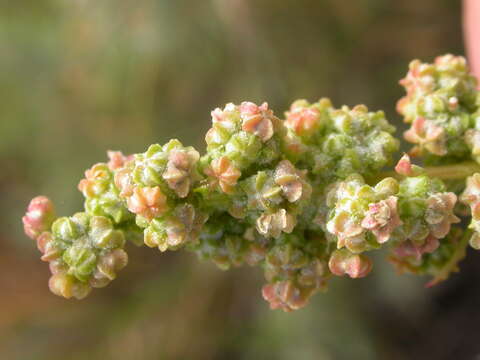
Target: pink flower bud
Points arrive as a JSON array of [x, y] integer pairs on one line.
[[404, 167], [123, 181], [409, 249], [257, 120], [148, 202], [90, 186], [382, 218], [439, 214], [354, 265], [117, 159], [222, 172], [39, 217], [301, 119], [179, 173], [65, 285], [285, 295], [471, 194]]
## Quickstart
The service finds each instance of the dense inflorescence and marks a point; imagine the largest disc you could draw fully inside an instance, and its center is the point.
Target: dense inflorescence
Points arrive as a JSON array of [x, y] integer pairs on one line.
[[440, 102], [303, 198]]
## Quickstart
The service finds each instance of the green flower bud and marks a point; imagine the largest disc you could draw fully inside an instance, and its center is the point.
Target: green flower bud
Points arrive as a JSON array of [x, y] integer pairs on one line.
[[102, 197]]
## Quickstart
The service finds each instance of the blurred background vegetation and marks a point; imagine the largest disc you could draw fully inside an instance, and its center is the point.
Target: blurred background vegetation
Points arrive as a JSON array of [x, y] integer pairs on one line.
[[80, 77]]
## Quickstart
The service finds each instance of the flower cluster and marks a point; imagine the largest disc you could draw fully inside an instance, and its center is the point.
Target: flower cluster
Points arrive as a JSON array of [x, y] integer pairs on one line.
[[335, 143], [303, 198], [83, 251], [441, 98]]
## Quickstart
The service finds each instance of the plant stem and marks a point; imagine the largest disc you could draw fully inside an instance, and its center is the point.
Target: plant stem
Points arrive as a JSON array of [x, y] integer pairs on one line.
[[444, 172]]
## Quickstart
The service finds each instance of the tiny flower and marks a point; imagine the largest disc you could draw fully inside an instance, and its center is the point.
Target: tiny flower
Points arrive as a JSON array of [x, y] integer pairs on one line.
[[257, 120], [354, 265], [186, 225], [180, 166], [109, 264], [344, 226], [223, 173], [47, 247], [39, 217], [289, 180], [123, 181], [95, 181], [224, 116], [382, 218], [427, 134], [272, 225], [404, 166], [117, 159], [179, 227], [302, 118], [439, 214], [148, 202]]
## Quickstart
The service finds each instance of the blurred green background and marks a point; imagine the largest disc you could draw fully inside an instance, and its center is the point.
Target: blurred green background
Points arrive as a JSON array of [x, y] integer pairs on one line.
[[79, 77]]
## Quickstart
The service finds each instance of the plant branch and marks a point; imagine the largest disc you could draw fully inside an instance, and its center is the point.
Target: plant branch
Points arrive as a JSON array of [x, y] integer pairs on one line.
[[444, 172]]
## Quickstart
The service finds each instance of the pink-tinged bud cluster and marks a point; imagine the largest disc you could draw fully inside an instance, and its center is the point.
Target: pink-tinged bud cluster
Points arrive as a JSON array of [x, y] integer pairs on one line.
[[436, 258], [408, 249], [39, 217], [223, 173], [358, 209], [83, 251], [440, 100], [182, 226], [427, 135], [343, 262], [438, 215], [448, 73]]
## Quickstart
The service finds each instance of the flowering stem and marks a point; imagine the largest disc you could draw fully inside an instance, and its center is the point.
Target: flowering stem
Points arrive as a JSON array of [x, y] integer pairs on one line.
[[445, 172]]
